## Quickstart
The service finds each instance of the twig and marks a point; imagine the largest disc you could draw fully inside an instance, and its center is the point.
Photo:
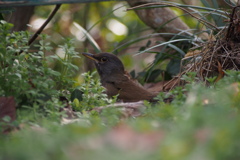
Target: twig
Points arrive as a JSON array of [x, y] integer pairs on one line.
[[44, 24], [211, 59], [228, 55], [39, 31]]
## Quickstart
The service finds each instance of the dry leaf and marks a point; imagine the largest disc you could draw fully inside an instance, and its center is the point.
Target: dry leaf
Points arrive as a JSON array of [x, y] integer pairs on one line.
[[192, 53], [220, 73]]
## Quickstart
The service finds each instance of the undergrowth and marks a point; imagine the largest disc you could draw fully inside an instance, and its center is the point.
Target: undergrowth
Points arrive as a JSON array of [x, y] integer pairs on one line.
[[90, 94], [204, 123], [39, 91]]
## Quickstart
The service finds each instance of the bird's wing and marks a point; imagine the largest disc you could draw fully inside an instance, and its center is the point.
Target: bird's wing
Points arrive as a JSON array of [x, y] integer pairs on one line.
[[129, 90]]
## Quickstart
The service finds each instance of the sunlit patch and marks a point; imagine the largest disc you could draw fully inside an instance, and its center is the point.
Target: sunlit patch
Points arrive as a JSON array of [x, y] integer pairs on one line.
[[120, 10], [16, 62], [206, 101], [192, 98], [38, 22], [66, 16], [110, 37], [60, 53], [77, 33], [117, 27]]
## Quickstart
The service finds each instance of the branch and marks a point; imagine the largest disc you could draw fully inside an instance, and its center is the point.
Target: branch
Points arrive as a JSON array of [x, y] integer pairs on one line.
[[39, 31]]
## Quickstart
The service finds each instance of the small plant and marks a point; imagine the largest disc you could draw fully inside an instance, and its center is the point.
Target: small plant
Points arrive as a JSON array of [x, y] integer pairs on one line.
[[189, 77], [90, 94], [26, 76], [66, 67], [211, 80]]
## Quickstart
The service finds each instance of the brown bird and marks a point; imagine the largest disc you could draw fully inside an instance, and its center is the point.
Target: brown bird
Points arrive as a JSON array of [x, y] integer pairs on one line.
[[116, 80]]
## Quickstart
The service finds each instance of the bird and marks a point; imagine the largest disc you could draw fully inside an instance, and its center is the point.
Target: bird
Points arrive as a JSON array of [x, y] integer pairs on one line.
[[116, 80]]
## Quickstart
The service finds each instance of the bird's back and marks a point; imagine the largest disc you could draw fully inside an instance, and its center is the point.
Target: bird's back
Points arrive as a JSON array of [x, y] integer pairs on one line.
[[127, 89]]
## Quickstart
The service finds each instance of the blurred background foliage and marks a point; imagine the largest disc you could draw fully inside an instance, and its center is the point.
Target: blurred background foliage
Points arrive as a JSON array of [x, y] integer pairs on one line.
[[121, 32], [107, 22], [148, 53]]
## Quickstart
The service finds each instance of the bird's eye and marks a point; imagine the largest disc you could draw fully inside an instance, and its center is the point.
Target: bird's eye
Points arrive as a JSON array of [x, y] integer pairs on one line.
[[103, 59]]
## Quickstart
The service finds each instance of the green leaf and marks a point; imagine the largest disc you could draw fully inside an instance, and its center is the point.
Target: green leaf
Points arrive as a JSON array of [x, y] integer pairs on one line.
[[154, 74], [89, 37], [18, 75], [164, 43], [74, 66], [6, 119], [177, 49], [173, 66], [55, 73], [77, 94]]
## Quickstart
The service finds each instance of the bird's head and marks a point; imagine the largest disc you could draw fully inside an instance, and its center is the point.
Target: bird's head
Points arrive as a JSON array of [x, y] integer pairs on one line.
[[106, 63]]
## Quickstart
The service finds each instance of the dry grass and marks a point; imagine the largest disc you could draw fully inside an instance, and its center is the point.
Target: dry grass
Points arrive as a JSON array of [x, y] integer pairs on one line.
[[213, 58]]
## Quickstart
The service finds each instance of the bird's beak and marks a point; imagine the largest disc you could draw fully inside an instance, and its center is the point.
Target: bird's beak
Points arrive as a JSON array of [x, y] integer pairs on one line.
[[90, 56]]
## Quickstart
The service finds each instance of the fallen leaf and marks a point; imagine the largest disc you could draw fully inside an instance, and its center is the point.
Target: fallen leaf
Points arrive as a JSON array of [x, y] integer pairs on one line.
[[192, 53]]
